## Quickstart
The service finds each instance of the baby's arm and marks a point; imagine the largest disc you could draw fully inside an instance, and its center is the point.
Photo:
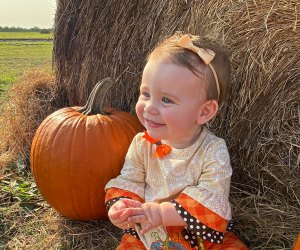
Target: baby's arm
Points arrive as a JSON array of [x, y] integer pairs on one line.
[[151, 214]]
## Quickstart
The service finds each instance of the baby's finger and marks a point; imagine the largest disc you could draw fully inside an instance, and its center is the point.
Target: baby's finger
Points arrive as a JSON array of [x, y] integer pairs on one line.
[[123, 224], [131, 212], [119, 205], [146, 227], [114, 214], [132, 203], [138, 219]]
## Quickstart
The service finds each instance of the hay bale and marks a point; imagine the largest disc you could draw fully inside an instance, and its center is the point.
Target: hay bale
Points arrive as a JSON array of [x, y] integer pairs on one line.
[[29, 101], [260, 121], [95, 39]]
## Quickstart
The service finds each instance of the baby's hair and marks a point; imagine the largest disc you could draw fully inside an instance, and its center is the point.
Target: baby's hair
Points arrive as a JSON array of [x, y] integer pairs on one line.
[[168, 50]]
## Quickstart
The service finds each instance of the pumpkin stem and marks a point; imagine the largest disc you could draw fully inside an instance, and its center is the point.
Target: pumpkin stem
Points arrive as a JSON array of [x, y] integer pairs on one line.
[[97, 100]]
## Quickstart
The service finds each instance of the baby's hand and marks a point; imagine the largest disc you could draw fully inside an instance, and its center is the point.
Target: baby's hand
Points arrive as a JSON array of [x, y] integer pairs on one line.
[[147, 214], [116, 214]]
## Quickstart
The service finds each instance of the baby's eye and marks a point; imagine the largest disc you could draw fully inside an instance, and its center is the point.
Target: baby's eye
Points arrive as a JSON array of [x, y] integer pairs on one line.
[[145, 94], [166, 100]]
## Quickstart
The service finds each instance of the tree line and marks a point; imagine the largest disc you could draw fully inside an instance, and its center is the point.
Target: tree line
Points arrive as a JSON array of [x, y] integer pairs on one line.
[[20, 29]]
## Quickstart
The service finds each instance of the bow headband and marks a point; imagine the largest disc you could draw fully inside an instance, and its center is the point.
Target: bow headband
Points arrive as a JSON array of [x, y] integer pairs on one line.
[[206, 55]]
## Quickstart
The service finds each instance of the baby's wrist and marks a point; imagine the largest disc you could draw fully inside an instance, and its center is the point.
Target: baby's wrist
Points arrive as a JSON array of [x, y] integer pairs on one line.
[[164, 213], [169, 215], [153, 213]]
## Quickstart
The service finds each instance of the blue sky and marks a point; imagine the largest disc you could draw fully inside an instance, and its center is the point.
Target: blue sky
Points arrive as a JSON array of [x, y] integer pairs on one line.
[[27, 13]]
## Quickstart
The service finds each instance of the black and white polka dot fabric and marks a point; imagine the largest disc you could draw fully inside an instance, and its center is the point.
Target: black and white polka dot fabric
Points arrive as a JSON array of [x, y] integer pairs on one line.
[[191, 237], [231, 225], [113, 201], [197, 228], [132, 232]]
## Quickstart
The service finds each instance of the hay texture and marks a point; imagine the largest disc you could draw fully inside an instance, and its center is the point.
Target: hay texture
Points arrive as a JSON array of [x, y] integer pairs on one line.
[[29, 101], [260, 120]]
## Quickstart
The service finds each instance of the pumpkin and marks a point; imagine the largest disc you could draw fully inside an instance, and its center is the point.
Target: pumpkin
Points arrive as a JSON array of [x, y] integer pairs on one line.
[[297, 243], [77, 150]]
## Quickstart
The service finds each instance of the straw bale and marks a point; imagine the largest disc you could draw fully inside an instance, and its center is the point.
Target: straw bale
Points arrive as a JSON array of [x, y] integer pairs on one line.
[[29, 101], [260, 119]]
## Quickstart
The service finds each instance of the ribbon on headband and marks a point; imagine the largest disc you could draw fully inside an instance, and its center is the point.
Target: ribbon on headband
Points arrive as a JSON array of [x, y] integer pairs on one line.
[[206, 55], [161, 149]]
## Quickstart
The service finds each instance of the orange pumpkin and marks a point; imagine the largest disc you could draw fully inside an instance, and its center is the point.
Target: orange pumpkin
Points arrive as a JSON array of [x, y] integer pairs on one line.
[[76, 151], [297, 243]]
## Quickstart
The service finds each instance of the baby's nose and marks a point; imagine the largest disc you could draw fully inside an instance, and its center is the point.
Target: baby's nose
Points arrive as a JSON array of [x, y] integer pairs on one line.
[[151, 108]]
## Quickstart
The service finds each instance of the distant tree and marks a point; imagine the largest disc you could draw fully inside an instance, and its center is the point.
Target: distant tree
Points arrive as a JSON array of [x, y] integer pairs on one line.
[[35, 29], [20, 29], [45, 31]]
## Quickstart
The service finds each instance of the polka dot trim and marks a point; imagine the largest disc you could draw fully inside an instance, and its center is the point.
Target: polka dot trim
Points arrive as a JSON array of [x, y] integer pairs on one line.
[[113, 201], [132, 232], [196, 228], [231, 225], [191, 237]]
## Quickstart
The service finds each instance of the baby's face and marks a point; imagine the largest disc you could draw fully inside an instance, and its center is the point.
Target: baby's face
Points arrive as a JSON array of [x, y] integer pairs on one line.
[[170, 102]]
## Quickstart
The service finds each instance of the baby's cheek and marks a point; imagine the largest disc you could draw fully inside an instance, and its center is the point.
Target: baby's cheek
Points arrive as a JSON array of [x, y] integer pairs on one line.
[[139, 109], [171, 117]]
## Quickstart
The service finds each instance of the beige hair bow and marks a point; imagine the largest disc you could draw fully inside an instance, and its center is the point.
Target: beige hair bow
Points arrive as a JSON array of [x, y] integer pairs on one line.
[[206, 55]]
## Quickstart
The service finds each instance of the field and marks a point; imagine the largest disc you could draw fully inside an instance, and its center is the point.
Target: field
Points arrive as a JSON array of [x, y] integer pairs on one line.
[[16, 56], [24, 35]]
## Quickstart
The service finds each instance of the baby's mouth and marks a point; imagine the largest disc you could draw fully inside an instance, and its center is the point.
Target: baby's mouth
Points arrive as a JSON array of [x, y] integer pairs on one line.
[[153, 124]]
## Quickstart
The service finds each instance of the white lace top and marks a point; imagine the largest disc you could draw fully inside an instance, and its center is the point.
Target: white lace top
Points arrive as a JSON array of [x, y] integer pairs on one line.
[[201, 171]]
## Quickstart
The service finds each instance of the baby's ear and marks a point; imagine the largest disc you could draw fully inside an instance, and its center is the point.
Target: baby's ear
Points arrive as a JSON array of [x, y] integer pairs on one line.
[[207, 111]]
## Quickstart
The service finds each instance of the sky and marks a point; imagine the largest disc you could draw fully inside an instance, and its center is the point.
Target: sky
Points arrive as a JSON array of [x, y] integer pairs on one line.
[[27, 13]]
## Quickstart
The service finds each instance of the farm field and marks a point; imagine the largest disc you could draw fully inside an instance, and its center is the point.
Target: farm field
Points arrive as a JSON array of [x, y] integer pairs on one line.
[[24, 35], [19, 56]]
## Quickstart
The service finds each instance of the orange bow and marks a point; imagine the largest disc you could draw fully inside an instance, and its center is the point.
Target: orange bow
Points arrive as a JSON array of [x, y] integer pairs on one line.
[[161, 149], [206, 55]]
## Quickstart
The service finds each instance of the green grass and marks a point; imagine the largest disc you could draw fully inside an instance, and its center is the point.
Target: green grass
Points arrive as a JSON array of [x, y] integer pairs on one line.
[[24, 35], [17, 57]]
